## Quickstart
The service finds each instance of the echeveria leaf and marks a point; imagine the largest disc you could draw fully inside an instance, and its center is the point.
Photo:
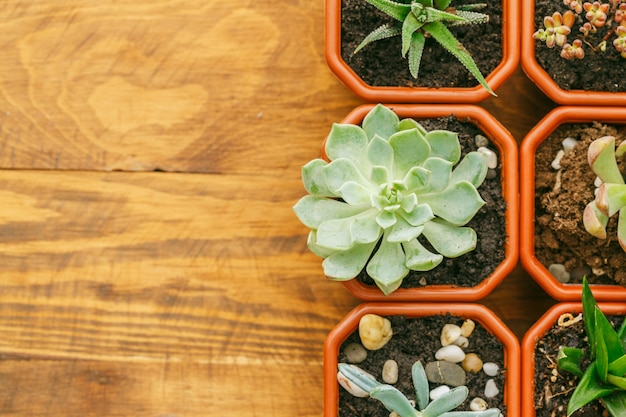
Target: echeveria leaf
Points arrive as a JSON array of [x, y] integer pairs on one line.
[[387, 267], [380, 152], [587, 390], [440, 174], [364, 228], [420, 383], [418, 258], [314, 179], [349, 142], [381, 121], [313, 211], [394, 400], [457, 204], [320, 251], [446, 402], [417, 178], [342, 170], [472, 168], [595, 221], [335, 234], [347, 265], [450, 241], [616, 197], [601, 157], [380, 175], [444, 144], [386, 219], [408, 124], [354, 193], [421, 214], [402, 231], [410, 149]]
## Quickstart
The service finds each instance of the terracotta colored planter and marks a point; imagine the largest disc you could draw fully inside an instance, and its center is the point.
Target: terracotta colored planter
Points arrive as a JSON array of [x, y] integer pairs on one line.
[[507, 148], [477, 313], [537, 331], [545, 82], [397, 94], [557, 117]]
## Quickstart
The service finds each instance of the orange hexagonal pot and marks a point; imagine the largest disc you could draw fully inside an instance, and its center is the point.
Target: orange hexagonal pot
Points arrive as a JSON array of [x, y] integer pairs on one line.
[[478, 313], [507, 147], [537, 331], [545, 82], [400, 94], [557, 117]]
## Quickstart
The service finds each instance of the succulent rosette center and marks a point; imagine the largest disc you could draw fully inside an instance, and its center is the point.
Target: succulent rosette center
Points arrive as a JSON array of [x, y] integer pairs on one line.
[[387, 188]]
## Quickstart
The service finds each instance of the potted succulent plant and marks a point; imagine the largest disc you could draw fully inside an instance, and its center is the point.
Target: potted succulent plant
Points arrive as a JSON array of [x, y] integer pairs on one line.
[[391, 206], [575, 50], [422, 359], [574, 360], [562, 236], [422, 51]]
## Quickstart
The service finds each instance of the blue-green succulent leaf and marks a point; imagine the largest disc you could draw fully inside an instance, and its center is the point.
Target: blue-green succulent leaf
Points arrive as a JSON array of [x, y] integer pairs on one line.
[[394, 400], [417, 178], [446, 402], [364, 228], [343, 170], [420, 383], [450, 241], [358, 376], [335, 234], [402, 231], [354, 193], [440, 175], [380, 175], [421, 214], [386, 219], [491, 412], [314, 179], [408, 124], [320, 251]]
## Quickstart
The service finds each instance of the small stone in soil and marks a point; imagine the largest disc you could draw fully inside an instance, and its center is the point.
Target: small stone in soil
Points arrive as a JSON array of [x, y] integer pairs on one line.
[[355, 353], [577, 274], [467, 328], [390, 371], [491, 368], [374, 331], [491, 389], [449, 333], [559, 272], [490, 157], [438, 392], [450, 353], [480, 140], [478, 404], [472, 363], [569, 144], [443, 372], [462, 342], [556, 163]]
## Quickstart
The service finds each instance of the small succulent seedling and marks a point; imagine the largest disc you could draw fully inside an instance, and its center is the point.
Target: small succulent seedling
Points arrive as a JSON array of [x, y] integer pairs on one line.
[[605, 377], [388, 183], [610, 16], [611, 195], [394, 400], [420, 19]]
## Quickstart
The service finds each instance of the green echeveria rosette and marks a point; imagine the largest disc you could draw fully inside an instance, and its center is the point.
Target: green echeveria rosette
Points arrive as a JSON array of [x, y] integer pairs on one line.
[[390, 181]]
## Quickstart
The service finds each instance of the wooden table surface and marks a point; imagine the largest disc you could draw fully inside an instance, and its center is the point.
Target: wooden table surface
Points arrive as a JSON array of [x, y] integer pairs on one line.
[[150, 153]]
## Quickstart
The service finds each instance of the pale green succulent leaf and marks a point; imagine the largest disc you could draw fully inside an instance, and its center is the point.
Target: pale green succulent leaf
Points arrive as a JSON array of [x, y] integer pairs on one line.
[[314, 179], [418, 258], [417, 178], [410, 149], [394, 400], [343, 170], [444, 144], [354, 193], [380, 152], [441, 34], [416, 51], [491, 412], [364, 228], [402, 231], [421, 214], [450, 241], [335, 234], [313, 211], [349, 142], [420, 383], [409, 203], [398, 11], [320, 251], [621, 228], [387, 267], [379, 175], [601, 157], [381, 121], [440, 175], [616, 197], [346, 265], [408, 124], [472, 168], [595, 221], [358, 376], [382, 32], [448, 401], [457, 204], [410, 25], [386, 219]]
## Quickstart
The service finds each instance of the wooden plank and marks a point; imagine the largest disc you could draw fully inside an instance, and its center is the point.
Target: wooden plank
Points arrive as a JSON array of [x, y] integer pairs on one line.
[[143, 85]]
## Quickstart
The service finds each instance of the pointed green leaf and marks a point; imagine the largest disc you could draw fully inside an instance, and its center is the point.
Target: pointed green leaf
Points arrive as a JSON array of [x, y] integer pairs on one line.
[[381, 121], [394, 400], [618, 366], [568, 359], [617, 381], [470, 18], [410, 149], [472, 168], [622, 333], [346, 265], [382, 32], [587, 390], [398, 11], [409, 27], [450, 241], [444, 144], [418, 258], [313, 211], [608, 335], [615, 404], [442, 35], [420, 383], [416, 51], [446, 402], [387, 267], [457, 204], [589, 307]]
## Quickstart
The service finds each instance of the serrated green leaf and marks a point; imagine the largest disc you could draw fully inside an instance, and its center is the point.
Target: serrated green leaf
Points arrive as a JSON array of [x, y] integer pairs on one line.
[[398, 11], [382, 32], [416, 51], [410, 25]]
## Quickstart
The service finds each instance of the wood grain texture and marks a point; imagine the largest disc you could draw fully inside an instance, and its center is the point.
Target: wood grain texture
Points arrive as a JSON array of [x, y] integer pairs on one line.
[[188, 292]]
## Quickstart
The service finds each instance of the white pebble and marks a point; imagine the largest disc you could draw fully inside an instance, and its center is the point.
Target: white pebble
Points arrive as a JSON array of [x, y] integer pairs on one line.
[[450, 353], [439, 391], [462, 342], [490, 157], [449, 333], [478, 404], [491, 368], [556, 164], [467, 328], [390, 371], [491, 390], [569, 144]]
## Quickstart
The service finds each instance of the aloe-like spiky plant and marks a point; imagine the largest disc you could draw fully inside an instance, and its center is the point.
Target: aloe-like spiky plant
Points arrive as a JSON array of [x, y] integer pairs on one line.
[[395, 400], [428, 18], [388, 185], [611, 195], [605, 377]]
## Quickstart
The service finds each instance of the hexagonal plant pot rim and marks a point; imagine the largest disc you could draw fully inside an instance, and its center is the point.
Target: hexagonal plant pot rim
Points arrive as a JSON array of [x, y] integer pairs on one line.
[[507, 148], [397, 94], [557, 117], [536, 332], [545, 82], [476, 312]]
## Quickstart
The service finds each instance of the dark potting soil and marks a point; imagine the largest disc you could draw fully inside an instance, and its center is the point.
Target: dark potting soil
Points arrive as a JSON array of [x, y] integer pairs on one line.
[[472, 268], [417, 339], [597, 71], [560, 236], [381, 63], [554, 387]]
